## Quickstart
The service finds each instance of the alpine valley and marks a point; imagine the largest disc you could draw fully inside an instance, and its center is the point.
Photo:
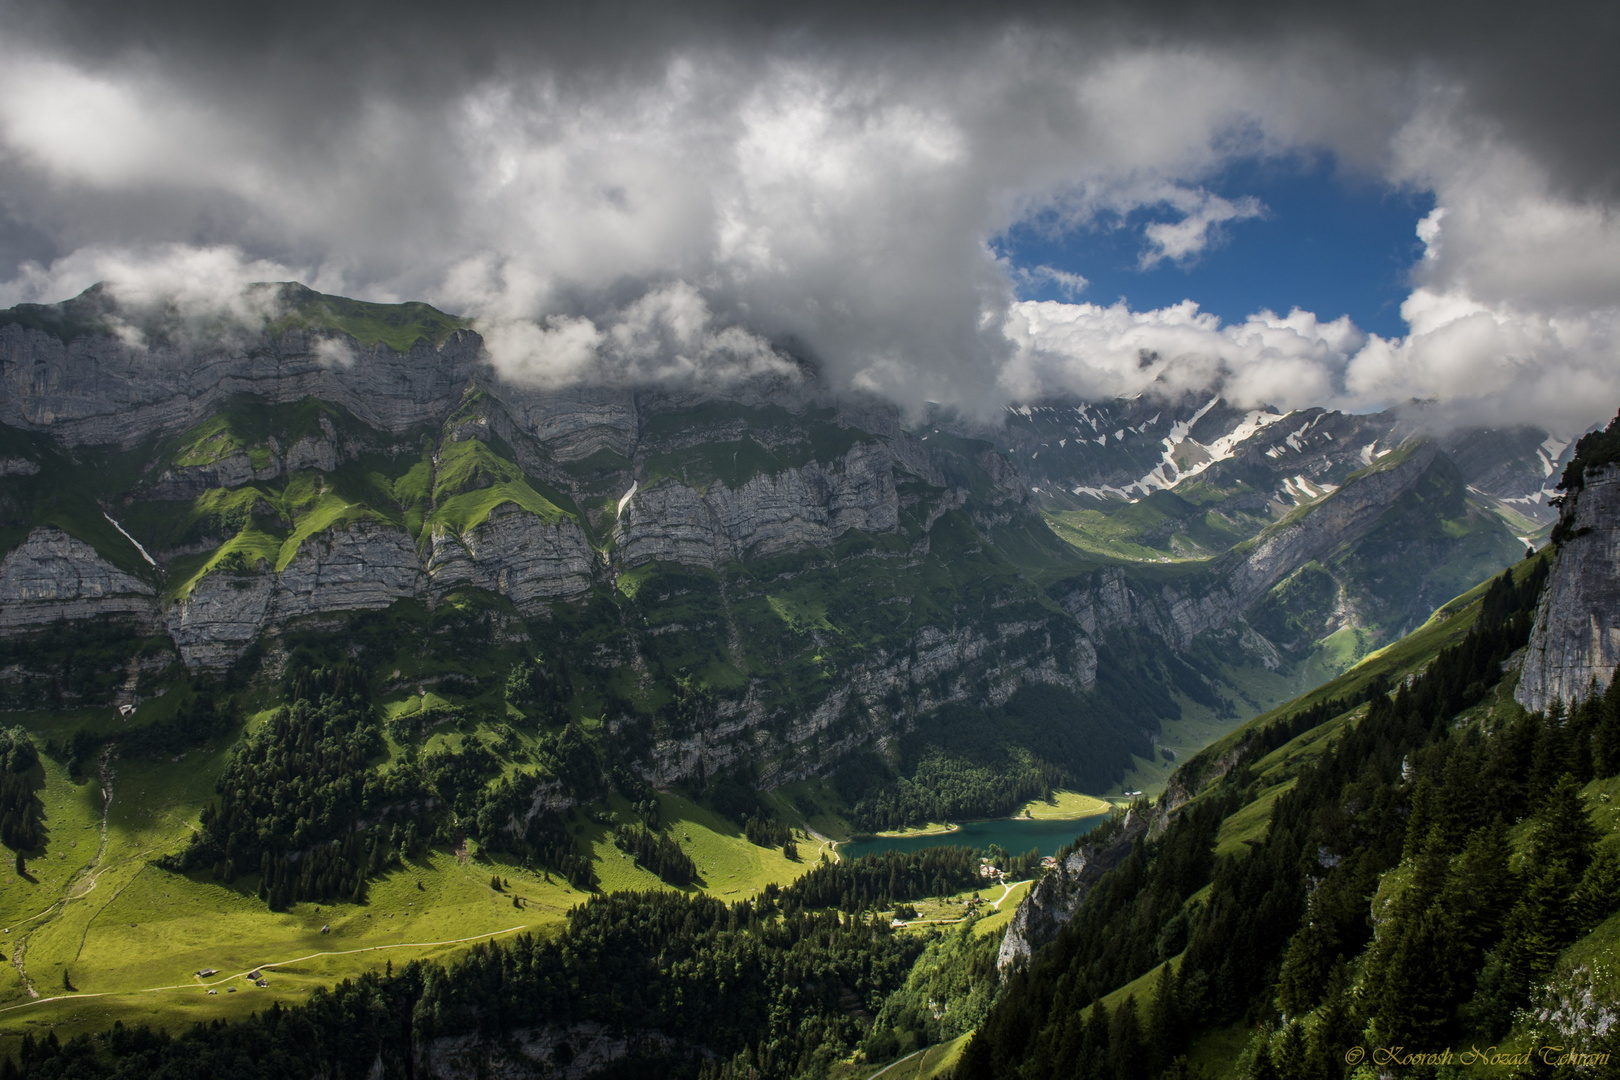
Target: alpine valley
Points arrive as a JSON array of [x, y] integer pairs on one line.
[[370, 712]]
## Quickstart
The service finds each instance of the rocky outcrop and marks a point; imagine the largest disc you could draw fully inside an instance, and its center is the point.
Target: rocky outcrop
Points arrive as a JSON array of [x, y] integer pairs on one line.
[[52, 576], [517, 554], [220, 617], [99, 388], [577, 422], [668, 522], [814, 504], [363, 566], [1576, 639], [1050, 905], [369, 564], [229, 471]]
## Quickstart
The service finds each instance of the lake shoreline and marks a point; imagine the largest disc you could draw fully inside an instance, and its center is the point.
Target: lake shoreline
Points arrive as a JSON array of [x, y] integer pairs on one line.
[[1014, 834], [1092, 806]]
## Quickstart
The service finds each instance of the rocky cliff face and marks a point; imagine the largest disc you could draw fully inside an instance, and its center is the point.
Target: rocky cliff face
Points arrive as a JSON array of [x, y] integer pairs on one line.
[[517, 555], [1576, 640], [770, 513], [52, 576], [1051, 904], [98, 389], [832, 575], [935, 667], [553, 1053]]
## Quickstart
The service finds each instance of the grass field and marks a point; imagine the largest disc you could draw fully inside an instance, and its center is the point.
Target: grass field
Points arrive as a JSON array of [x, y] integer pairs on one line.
[[129, 938], [931, 1063], [1064, 806], [933, 828], [993, 916]]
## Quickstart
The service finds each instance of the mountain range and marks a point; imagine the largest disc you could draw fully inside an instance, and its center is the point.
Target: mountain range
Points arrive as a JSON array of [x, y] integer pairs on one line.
[[359, 626]]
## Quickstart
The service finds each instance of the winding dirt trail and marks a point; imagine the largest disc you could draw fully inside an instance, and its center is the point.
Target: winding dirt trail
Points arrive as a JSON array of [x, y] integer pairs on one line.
[[1006, 891], [824, 843]]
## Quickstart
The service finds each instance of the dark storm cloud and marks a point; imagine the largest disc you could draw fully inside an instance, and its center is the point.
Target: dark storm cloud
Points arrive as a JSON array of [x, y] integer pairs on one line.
[[1546, 76], [650, 190]]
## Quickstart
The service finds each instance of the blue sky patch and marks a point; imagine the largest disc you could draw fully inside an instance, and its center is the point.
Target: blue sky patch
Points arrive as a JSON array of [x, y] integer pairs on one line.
[[1328, 242]]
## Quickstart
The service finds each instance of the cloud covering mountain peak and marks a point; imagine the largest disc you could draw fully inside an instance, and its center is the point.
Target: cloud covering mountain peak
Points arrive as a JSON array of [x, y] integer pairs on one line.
[[644, 192]]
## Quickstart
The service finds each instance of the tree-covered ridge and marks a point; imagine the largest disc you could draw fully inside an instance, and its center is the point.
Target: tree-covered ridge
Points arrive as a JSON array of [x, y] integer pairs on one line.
[[292, 793], [878, 881], [725, 991], [1275, 935], [1593, 450], [306, 805], [947, 994]]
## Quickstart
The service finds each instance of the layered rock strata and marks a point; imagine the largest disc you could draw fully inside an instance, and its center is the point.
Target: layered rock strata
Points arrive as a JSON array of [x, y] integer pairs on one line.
[[52, 576], [815, 504], [100, 389]]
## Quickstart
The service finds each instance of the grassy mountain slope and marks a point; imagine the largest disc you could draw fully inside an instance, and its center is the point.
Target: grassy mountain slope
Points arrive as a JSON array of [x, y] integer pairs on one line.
[[219, 851]]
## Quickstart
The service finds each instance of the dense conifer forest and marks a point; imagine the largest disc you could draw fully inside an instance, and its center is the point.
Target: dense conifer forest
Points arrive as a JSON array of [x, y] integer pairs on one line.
[[881, 880], [1467, 930]]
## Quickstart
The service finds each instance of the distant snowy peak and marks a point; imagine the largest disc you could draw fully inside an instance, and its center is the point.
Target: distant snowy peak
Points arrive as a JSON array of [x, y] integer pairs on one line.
[[1076, 455]]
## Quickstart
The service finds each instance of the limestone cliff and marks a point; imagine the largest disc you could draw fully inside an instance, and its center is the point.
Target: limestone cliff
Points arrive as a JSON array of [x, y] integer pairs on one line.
[[98, 389], [770, 513], [1576, 639], [52, 576], [1051, 904], [516, 554]]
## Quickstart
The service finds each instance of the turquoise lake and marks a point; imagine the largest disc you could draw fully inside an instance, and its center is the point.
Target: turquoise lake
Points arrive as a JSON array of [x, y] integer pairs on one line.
[[1017, 835]]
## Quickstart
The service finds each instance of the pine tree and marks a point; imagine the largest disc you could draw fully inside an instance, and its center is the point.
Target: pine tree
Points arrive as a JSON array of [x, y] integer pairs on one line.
[[1561, 830], [1291, 1052], [1408, 1004], [1165, 1027], [1541, 925], [1335, 1030], [1263, 1067], [1550, 758], [1598, 895], [1606, 737], [1094, 1047], [1126, 1054]]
